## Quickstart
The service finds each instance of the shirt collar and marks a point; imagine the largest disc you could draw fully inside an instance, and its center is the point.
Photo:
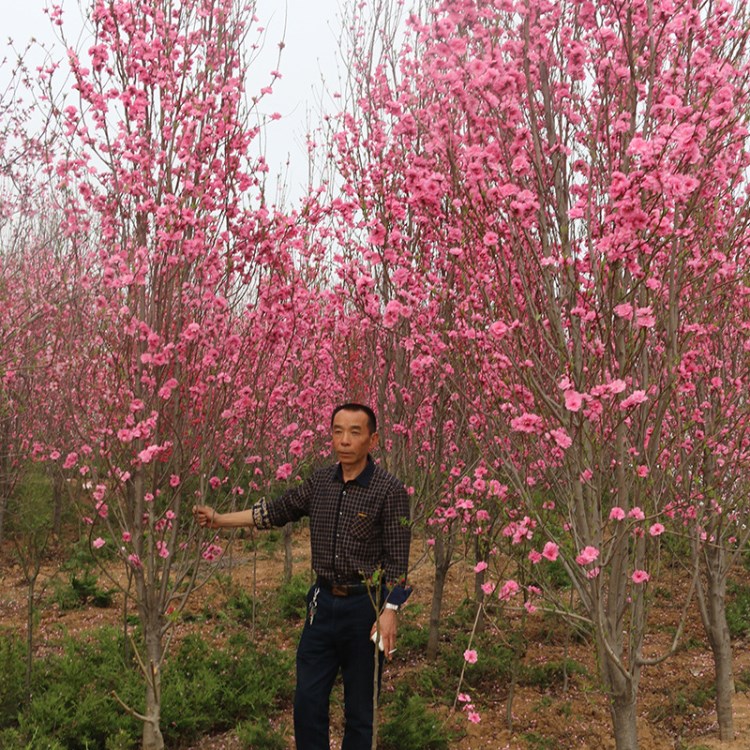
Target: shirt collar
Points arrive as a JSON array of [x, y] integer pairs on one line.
[[364, 476]]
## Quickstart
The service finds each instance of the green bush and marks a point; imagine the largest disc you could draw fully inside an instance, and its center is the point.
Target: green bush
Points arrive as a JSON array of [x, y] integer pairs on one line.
[[12, 685], [412, 725], [206, 689], [241, 606], [82, 590], [738, 610], [551, 673], [72, 693], [291, 597], [12, 739], [260, 736]]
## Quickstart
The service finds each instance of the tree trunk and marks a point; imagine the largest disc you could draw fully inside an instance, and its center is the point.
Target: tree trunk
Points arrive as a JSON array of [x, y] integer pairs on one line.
[[622, 688], [287, 531], [152, 737], [57, 503], [30, 633], [714, 614], [442, 564], [3, 508], [622, 710]]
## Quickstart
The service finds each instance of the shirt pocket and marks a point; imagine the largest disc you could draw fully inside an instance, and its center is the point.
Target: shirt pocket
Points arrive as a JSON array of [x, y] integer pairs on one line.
[[361, 527]]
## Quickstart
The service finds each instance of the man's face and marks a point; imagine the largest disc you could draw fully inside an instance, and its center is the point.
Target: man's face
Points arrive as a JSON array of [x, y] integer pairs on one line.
[[352, 440]]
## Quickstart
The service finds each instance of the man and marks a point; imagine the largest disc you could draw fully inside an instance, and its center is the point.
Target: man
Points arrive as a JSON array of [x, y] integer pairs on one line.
[[359, 525]]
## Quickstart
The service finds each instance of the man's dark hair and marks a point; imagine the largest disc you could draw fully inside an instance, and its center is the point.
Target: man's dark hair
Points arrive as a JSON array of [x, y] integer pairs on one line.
[[372, 421]]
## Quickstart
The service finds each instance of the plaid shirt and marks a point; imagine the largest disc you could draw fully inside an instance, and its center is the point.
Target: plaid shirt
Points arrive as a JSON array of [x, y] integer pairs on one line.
[[356, 527]]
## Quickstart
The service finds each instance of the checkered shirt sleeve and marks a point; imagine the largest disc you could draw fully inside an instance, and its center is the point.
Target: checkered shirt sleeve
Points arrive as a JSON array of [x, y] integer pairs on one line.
[[354, 529]]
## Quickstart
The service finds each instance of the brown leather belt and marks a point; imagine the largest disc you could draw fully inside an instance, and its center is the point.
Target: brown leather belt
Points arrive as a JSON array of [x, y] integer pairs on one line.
[[341, 589]]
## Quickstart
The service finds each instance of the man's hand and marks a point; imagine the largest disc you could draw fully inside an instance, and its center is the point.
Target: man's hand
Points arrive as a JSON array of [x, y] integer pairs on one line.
[[388, 629], [205, 516]]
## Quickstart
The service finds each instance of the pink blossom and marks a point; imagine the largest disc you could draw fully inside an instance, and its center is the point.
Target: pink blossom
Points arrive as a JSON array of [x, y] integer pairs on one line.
[[393, 310], [656, 529], [640, 576], [488, 587], [162, 548], [550, 551], [593, 573], [644, 317], [509, 588], [625, 310], [174, 480], [464, 698], [212, 552], [616, 514], [470, 655], [636, 513], [284, 472], [498, 329], [480, 566], [526, 423], [54, 455], [147, 454], [98, 543], [530, 608], [70, 461], [215, 483], [473, 717], [134, 560], [642, 471], [573, 400], [535, 557], [587, 555], [635, 398], [126, 537], [562, 438]]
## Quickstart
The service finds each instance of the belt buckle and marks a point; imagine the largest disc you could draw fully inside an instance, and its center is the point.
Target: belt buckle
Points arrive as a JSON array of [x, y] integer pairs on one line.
[[339, 590]]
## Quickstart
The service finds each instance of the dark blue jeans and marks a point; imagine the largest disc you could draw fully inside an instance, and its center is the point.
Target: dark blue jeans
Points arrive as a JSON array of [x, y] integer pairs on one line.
[[338, 638]]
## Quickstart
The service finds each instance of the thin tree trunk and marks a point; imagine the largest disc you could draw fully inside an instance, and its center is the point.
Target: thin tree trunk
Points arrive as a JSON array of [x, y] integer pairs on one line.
[[30, 632], [442, 564], [3, 508], [288, 562], [57, 503], [622, 688], [622, 710], [712, 606], [152, 737]]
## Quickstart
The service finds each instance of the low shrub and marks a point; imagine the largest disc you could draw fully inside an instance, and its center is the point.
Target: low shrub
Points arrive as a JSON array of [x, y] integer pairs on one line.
[[12, 685], [260, 735], [410, 724]]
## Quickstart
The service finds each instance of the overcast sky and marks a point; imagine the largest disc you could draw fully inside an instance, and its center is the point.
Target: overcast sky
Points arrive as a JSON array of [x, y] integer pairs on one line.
[[309, 29]]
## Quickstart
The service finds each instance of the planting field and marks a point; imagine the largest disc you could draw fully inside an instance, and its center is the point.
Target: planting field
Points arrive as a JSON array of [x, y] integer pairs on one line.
[[230, 671]]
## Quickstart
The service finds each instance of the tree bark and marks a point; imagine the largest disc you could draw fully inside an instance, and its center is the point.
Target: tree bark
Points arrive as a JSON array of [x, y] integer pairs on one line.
[[152, 737], [712, 605], [442, 564], [288, 562], [622, 710]]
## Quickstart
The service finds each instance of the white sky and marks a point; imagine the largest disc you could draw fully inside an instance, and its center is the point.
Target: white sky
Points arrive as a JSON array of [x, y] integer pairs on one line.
[[309, 29]]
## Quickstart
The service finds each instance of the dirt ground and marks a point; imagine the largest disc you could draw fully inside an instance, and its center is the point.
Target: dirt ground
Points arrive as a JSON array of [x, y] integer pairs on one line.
[[577, 718]]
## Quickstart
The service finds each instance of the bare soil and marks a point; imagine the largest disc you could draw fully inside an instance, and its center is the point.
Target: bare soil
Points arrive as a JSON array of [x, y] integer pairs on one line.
[[675, 712]]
